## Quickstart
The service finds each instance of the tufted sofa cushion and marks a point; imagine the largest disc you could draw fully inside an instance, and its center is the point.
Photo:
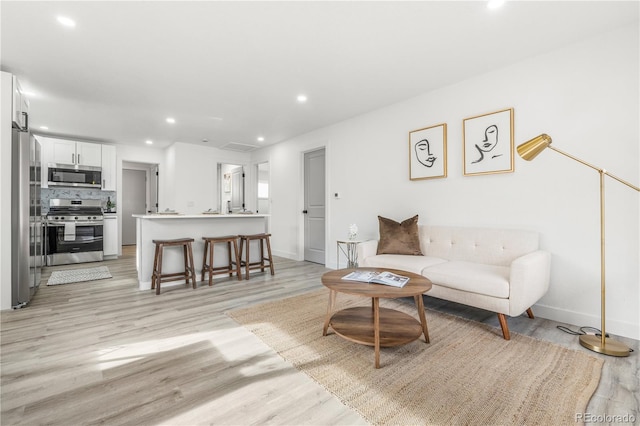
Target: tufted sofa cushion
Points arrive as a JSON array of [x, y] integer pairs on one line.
[[415, 264], [486, 246], [490, 280]]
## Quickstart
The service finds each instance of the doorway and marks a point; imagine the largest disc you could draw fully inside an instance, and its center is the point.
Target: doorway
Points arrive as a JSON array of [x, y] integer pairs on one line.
[[231, 178], [140, 189], [314, 206], [262, 188], [134, 201]]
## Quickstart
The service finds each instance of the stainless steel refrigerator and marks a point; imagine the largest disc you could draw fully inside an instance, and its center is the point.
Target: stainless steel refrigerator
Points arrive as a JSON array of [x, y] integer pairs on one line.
[[26, 218]]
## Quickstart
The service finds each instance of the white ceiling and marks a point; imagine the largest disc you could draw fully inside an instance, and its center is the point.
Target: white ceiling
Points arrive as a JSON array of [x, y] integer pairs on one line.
[[231, 71]]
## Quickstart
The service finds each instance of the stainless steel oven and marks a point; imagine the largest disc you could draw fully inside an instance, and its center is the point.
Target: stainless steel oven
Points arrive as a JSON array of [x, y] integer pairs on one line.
[[74, 230]]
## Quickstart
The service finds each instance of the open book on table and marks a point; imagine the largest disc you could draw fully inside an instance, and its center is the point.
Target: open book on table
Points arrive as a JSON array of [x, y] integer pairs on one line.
[[386, 278]]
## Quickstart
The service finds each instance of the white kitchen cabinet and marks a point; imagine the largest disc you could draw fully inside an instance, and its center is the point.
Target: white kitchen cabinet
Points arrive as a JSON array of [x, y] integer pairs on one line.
[[89, 154], [19, 106], [110, 236], [108, 168], [63, 151], [76, 153]]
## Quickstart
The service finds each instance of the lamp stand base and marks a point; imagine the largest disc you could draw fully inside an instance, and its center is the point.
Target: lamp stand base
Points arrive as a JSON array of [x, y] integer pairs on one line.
[[611, 347]]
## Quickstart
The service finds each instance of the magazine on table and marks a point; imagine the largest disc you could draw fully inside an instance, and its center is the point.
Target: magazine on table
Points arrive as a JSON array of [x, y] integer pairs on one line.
[[386, 278]]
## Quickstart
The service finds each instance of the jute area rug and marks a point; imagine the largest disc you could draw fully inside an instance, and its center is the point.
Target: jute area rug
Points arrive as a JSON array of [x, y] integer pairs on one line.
[[79, 275], [468, 374]]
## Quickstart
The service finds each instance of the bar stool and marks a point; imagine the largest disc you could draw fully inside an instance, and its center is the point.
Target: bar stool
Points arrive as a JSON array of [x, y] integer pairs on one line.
[[260, 264], [209, 244], [189, 271]]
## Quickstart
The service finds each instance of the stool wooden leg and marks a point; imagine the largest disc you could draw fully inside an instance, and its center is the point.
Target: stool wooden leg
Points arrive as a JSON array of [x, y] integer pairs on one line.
[[247, 261], [193, 268], [185, 254], [159, 275], [207, 264], [230, 265], [211, 262], [238, 269], [261, 255], [270, 257], [204, 260], [155, 268]]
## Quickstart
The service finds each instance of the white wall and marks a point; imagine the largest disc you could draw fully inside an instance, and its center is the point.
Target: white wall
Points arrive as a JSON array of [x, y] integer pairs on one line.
[[586, 96], [193, 176]]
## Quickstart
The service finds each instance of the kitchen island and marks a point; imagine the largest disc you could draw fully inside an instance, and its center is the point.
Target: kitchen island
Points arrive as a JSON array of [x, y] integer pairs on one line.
[[169, 226]]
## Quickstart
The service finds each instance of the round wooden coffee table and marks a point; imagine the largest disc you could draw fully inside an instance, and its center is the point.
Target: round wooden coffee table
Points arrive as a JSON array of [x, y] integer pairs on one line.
[[376, 326]]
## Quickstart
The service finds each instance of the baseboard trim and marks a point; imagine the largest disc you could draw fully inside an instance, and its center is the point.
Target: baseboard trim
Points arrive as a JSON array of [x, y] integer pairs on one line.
[[619, 328], [285, 254]]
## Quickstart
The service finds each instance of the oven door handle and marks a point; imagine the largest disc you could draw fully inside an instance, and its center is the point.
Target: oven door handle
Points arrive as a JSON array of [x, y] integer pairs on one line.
[[78, 223], [52, 223]]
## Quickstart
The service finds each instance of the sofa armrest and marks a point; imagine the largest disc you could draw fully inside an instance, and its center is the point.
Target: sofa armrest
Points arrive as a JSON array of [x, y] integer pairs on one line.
[[366, 249], [528, 281]]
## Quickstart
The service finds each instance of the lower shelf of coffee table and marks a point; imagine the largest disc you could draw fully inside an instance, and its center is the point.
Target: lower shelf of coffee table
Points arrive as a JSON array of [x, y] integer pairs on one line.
[[356, 325]]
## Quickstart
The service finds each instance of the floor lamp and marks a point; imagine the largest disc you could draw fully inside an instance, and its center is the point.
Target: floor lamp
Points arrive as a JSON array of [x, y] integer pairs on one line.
[[602, 344]]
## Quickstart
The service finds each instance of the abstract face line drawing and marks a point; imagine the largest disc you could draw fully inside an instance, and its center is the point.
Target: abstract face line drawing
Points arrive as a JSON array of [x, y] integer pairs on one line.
[[423, 153], [427, 151], [487, 143], [490, 141]]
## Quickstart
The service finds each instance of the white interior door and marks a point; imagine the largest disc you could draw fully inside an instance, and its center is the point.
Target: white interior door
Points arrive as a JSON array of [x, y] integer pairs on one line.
[[153, 189], [231, 187], [314, 206], [262, 188], [237, 189], [134, 196]]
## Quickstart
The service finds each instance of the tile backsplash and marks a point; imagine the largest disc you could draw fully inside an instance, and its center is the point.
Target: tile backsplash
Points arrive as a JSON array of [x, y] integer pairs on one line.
[[47, 194]]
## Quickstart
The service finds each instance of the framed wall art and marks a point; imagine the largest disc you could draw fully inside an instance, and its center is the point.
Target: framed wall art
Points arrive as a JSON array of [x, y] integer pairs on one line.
[[488, 143], [428, 152]]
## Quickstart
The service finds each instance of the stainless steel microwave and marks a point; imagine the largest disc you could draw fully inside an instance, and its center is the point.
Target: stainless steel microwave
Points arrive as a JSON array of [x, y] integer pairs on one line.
[[74, 175]]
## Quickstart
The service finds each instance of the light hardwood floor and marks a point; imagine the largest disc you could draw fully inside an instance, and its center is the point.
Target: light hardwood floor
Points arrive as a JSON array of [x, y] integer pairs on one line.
[[104, 352]]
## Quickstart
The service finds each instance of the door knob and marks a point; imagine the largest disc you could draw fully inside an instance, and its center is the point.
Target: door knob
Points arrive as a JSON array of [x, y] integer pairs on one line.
[[304, 211]]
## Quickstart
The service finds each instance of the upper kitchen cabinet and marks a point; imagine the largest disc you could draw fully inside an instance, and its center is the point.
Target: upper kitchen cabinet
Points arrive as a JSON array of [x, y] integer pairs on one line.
[[108, 168], [72, 152], [19, 106]]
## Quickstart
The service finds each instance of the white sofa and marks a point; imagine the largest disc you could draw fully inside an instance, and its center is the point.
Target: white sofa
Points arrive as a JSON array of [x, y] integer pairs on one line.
[[502, 271]]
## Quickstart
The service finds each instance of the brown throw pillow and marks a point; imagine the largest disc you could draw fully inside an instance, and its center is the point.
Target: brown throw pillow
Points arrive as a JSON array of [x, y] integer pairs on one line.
[[399, 238]]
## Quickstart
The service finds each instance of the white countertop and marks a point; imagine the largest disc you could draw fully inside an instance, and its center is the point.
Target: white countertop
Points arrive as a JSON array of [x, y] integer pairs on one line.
[[196, 216]]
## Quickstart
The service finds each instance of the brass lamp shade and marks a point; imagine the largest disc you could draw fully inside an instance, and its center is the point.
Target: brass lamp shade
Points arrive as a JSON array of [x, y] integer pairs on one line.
[[530, 149]]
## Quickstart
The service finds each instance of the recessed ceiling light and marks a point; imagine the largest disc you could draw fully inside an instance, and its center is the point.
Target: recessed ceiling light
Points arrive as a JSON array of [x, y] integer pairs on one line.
[[149, 142], [495, 4], [67, 22], [171, 120], [44, 127], [260, 139], [302, 98]]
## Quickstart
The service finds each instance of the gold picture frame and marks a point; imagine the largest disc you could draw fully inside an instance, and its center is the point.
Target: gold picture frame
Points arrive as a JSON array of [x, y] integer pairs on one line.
[[428, 152], [487, 143]]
